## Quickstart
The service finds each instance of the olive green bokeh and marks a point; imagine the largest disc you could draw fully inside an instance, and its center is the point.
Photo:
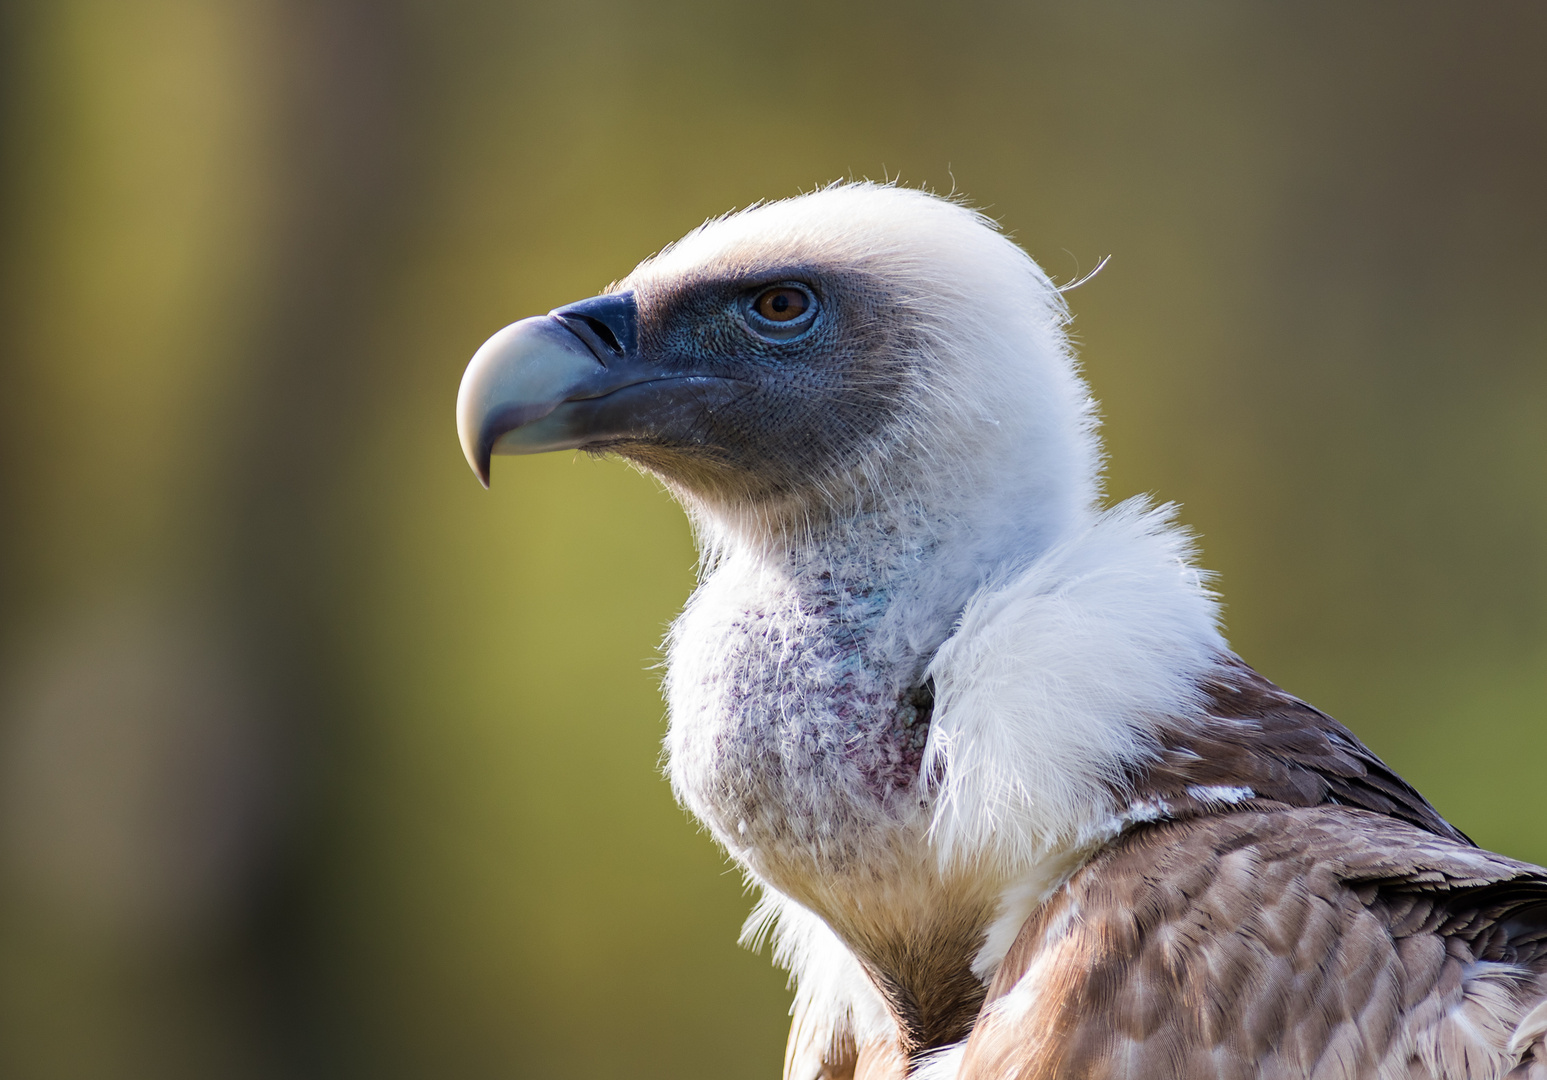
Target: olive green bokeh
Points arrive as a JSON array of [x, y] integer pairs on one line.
[[318, 760]]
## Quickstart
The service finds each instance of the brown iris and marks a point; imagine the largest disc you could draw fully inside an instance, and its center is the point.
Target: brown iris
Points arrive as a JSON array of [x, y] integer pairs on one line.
[[781, 304]]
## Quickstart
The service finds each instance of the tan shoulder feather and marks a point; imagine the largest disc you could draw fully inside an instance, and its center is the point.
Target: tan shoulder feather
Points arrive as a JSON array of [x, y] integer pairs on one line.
[[1321, 942]]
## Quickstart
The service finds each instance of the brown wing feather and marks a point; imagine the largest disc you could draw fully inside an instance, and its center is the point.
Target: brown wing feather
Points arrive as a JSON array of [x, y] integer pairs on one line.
[[1256, 735], [1307, 942], [1328, 924]]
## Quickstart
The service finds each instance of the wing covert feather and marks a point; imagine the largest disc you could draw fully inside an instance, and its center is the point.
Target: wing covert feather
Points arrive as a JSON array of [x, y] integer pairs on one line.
[[1324, 942]]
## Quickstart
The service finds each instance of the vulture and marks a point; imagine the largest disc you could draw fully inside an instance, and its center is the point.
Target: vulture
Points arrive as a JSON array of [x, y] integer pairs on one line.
[[1014, 808]]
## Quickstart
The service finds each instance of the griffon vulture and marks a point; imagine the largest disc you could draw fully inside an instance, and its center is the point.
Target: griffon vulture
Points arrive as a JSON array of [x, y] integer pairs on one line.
[[1015, 809]]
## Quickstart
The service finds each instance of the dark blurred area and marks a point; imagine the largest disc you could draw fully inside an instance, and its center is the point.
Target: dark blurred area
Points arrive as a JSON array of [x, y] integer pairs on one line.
[[316, 760]]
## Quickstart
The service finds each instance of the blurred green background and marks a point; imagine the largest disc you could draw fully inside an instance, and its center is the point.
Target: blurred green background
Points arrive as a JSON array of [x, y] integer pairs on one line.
[[316, 760]]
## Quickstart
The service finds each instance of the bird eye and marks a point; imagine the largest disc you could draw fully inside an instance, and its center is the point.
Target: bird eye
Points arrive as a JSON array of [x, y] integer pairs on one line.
[[782, 312], [782, 304]]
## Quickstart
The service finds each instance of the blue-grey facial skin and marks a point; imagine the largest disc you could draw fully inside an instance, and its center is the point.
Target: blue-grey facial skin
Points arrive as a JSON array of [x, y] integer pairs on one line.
[[710, 397], [573, 379], [808, 401]]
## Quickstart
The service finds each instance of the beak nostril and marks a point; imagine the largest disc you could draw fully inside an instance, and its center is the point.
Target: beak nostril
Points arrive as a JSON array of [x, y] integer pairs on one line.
[[606, 323], [604, 332], [595, 326]]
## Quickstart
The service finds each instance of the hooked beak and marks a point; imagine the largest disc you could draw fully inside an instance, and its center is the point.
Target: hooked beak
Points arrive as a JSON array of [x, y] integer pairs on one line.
[[574, 378]]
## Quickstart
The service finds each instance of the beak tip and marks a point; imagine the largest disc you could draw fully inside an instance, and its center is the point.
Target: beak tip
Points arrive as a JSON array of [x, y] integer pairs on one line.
[[478, 459], [477, 447], [515, 380], [477, 453]]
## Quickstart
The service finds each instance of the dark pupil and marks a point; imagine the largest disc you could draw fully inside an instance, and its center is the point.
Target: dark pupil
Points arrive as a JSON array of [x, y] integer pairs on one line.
[[782, 305]]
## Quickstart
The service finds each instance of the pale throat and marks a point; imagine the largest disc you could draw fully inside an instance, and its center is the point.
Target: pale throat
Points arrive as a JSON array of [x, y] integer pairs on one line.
[[800, 710]]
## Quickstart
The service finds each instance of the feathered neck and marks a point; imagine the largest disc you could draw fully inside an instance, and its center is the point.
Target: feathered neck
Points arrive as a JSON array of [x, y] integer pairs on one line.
[[991, 509], [923, 833]]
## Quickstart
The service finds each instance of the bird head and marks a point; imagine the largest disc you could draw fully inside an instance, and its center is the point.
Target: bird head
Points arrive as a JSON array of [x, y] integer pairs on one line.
[[847, 349]]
